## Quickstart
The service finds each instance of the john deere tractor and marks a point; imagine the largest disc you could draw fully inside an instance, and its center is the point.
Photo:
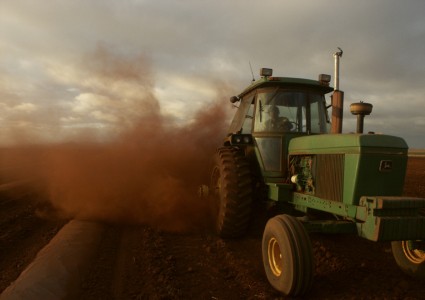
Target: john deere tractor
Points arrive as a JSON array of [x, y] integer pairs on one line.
[[283, 148]]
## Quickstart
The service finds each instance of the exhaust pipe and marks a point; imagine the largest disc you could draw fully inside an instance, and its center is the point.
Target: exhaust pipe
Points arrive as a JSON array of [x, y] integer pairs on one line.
[[337, 98], [337, 56]]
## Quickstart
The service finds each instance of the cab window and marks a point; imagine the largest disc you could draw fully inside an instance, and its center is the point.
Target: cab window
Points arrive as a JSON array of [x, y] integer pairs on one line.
[[280, 110], [242, 122]]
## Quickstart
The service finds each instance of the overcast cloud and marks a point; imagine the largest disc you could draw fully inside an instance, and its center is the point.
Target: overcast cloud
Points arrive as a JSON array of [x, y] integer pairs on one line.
[[72, 66]]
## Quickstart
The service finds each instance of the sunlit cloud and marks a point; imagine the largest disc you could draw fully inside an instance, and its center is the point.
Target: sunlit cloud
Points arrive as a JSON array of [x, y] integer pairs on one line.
[[107, 64], [26, 107]]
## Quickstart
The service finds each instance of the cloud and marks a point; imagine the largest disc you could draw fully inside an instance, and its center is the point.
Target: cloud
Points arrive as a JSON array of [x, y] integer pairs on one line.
[[26, 107], [101, 116], [59, 54]]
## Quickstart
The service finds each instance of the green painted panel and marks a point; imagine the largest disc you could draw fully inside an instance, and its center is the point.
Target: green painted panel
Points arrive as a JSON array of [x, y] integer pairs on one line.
[[374, 165], [347, 143]]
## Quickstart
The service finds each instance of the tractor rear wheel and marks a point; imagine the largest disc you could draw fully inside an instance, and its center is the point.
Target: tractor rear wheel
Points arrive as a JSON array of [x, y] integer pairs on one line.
[[231, 189], [410, 257], [288, 255]]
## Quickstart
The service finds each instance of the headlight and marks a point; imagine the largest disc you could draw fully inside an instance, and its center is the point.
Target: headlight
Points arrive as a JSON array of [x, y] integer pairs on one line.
[[247, 139], [241, 139]]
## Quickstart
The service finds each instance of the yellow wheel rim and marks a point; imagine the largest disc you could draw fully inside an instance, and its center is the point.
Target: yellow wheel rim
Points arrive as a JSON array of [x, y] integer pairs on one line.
[[275, 257], [416, 256]]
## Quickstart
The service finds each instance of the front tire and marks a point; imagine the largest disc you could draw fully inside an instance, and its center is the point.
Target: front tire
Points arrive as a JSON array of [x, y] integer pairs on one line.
[[288, 255], [231, 187], [410, 257]]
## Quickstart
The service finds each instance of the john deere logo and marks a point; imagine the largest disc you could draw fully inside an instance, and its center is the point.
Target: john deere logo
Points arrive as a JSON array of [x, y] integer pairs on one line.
[[386, 165]]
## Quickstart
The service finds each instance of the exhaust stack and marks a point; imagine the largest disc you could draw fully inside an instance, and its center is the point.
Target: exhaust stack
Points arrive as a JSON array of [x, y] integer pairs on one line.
[[337, 98]]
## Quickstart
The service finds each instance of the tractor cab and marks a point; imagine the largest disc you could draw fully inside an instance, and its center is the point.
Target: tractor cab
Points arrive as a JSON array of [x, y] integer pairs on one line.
[[272, 111]]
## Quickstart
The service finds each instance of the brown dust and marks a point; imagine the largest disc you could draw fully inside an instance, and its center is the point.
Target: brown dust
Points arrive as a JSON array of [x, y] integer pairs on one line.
[[149, 173]]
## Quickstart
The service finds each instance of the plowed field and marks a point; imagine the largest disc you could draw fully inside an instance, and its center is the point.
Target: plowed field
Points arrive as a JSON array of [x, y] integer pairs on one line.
[[142, 262]]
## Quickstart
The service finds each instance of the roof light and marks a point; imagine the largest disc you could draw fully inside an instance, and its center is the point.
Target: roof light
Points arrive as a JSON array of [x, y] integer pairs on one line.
[[325, 78], [266, 72]]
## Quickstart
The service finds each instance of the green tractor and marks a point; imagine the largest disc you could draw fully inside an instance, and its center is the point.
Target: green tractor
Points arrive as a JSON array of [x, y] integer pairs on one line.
[[282, 148]]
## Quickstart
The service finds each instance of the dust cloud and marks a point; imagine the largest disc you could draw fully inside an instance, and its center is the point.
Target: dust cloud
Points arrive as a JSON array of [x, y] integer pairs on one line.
[[148, 173]]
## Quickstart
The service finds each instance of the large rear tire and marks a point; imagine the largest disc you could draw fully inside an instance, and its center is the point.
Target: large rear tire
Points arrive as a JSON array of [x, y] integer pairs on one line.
[[410, 257], [231, 190], [288, 255]]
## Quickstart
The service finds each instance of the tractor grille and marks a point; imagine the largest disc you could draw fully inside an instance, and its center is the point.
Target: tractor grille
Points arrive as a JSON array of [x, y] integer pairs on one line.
[[329, 176]]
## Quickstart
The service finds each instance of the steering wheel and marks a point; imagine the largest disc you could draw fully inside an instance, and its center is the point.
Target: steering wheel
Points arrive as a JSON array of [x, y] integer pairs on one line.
[[295, 125]]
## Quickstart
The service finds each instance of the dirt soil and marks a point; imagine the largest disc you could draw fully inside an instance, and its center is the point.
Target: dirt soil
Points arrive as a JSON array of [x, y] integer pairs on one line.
[[26, 226], [141, 262]]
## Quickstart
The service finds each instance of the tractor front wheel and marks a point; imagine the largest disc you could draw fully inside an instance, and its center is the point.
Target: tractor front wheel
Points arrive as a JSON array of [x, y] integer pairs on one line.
[[410, 257], [288, 255]]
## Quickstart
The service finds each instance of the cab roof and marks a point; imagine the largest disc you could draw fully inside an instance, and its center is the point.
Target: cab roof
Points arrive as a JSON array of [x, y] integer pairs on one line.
[[289, 82]]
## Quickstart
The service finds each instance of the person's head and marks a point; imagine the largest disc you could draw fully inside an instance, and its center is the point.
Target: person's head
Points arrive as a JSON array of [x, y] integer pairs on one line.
[[274, 112]]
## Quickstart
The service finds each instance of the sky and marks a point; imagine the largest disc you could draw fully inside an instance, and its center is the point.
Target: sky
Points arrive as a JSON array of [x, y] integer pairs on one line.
[[75, 68]]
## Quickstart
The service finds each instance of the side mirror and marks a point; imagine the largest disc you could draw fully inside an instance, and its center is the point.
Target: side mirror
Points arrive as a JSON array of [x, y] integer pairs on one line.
[[234, 99]]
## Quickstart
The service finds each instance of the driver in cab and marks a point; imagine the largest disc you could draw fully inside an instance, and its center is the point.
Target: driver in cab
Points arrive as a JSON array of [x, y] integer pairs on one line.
[[277, 123]]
